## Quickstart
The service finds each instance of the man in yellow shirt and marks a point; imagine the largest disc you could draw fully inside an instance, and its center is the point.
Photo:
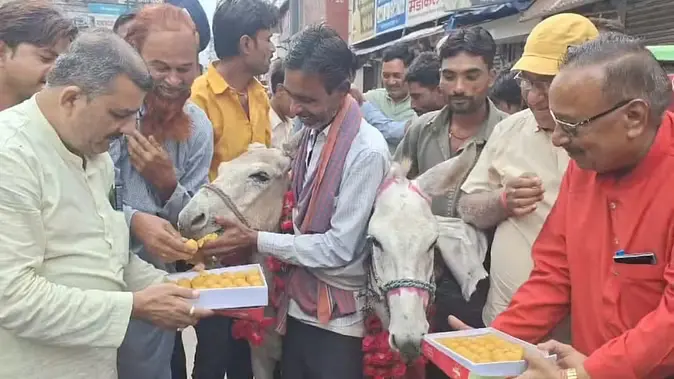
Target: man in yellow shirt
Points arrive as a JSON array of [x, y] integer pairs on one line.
[[238, 107], [235, 102]]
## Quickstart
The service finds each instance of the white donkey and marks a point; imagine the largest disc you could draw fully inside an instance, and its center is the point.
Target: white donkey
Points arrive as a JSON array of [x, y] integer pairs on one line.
[[402, 229], [404, 235], [251, 189]]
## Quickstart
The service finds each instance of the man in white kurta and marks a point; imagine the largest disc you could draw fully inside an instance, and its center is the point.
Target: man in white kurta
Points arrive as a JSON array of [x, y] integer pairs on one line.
[[68, 284]]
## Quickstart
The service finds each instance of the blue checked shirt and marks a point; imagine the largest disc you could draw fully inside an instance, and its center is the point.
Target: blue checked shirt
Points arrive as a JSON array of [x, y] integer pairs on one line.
[[191, 159]]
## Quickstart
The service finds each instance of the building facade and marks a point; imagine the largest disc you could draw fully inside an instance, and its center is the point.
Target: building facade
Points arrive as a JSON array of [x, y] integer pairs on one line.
[[99, 13]]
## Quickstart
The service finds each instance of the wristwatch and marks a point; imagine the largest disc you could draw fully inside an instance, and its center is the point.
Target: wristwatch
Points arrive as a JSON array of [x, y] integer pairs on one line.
[[571, 373]]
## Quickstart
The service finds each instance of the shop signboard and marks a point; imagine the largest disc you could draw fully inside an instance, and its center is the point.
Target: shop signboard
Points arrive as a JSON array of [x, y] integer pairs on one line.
[[104, 20], [420, 11], [363, 20], [108, 9], [390, 15], [104, 15], [454, 5], [81, 20]]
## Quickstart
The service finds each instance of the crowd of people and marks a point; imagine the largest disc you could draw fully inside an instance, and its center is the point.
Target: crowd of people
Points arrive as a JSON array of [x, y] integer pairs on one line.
[[105, 136]]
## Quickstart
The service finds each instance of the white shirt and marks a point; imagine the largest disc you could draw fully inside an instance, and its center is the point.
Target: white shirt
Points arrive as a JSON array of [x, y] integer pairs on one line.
[[516, 146], [280, 130], [65, 264], [337, 256]]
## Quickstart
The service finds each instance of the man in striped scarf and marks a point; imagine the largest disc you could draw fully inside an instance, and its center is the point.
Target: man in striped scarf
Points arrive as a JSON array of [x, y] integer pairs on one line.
[[339, 166]]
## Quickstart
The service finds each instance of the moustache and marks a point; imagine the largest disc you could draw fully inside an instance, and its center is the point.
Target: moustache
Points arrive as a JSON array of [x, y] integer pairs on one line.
[[460, 98], [169, 91]]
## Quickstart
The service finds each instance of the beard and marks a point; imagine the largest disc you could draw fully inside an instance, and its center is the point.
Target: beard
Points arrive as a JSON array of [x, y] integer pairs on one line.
[[164, 117], [464, 104]]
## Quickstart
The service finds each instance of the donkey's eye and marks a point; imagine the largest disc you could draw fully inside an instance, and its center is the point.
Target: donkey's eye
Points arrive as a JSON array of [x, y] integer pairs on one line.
[[260, 177]]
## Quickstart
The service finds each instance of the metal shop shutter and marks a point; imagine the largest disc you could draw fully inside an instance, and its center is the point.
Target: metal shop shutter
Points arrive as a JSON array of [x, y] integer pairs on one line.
[[652, 20]]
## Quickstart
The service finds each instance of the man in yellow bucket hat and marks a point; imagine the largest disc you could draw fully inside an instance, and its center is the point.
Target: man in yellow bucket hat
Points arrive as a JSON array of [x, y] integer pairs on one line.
[[515, 182]]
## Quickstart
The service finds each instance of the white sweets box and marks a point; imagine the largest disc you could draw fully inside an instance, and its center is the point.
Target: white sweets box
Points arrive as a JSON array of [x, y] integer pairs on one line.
[[458, 367], [230, 297]]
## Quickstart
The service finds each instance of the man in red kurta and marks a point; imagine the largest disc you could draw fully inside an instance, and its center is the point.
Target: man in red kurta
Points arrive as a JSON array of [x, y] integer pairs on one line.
[[616, 200]]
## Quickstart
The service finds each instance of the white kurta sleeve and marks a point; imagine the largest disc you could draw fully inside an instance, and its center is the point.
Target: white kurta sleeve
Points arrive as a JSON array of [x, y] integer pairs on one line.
[[31, 306]]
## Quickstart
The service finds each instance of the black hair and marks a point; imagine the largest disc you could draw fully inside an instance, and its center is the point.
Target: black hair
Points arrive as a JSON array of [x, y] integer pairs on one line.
[[276, 74], [630, 70], [36, 23], [425, 70], [400, 51], [123, 20], [319, 49], [506, 89], [474, 40], [234, 19]]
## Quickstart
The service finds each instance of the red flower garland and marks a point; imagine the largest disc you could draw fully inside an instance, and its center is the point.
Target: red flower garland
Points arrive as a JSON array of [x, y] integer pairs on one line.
[[380, 361], [251, 330]]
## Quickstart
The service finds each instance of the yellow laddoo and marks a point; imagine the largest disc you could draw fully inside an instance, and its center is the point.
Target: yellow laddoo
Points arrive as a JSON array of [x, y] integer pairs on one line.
[[487, 348], [192, 246], [206, 280]]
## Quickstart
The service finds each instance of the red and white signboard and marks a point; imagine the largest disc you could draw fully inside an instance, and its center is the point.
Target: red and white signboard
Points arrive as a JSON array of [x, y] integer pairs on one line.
[[420, 11]]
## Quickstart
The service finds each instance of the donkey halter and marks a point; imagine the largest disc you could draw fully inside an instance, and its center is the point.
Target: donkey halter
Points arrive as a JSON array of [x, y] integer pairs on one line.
[[228, 202], [382, 289], [230, 205]]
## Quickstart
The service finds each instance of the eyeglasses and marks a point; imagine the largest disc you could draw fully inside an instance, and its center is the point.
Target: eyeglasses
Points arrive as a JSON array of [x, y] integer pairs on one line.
[[571, 128], [541, 85]]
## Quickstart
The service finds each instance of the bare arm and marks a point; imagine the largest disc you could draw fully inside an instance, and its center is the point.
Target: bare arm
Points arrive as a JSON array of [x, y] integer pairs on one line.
[[482, 209]]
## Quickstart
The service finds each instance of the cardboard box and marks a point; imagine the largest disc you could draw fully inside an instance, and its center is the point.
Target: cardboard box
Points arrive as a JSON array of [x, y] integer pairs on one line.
[[458, 367], [229, 298]]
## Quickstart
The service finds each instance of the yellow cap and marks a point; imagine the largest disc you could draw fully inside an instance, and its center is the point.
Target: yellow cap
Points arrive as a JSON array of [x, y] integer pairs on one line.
[[549, 39]]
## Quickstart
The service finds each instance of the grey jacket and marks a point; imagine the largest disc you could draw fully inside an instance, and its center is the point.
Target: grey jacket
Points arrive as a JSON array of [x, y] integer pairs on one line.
[[426, 144]]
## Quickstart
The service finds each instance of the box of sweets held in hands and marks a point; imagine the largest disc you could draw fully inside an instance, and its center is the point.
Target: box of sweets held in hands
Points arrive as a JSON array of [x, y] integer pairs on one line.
[[477, 353], [227, 288]]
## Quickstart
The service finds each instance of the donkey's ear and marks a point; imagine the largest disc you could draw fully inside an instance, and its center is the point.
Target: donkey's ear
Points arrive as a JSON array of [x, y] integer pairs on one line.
[[440, 179], [399, 170], [291, 147]]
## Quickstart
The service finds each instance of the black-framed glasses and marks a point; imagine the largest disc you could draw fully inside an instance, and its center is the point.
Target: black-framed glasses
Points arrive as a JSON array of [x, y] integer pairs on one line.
[[571, 128]]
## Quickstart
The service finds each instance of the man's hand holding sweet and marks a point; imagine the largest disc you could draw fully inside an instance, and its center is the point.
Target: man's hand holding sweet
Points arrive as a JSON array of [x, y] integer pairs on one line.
[[235, 245], [152, 161], [168, 306], [160, 238]]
